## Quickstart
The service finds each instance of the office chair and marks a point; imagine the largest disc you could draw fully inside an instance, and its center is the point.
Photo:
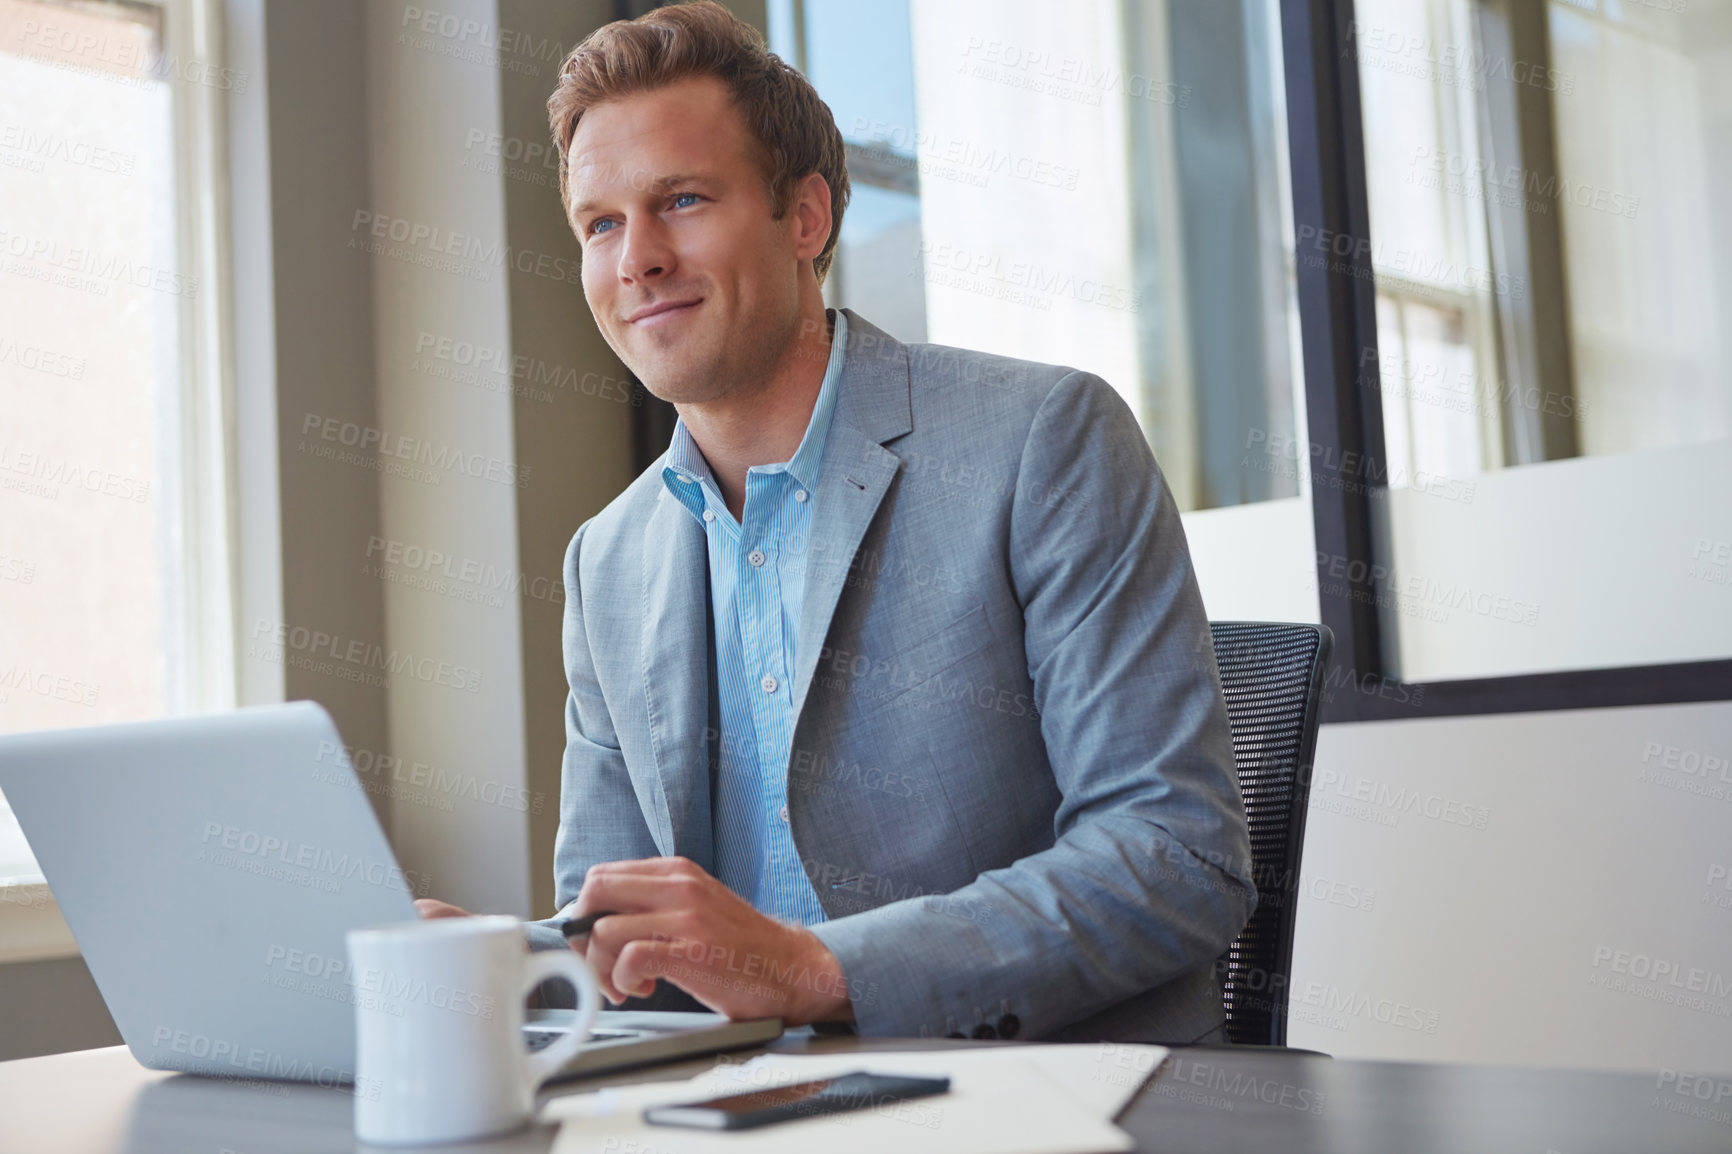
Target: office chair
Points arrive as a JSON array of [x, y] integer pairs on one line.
[[1272, 676]]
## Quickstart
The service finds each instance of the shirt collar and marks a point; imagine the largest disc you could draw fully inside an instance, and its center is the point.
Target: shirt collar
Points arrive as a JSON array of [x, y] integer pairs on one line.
[[685, 461], [803, 465]]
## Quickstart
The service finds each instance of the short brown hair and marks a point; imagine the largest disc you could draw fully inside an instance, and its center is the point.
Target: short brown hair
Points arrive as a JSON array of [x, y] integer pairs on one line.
[[794, 129]]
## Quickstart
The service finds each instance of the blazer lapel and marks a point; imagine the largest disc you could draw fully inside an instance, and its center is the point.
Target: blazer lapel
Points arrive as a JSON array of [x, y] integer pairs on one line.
[[874, 407], [855, 474], [676, 656]]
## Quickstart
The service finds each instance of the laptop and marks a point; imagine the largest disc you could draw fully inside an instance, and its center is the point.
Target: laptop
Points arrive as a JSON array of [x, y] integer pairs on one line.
[[209, 868]]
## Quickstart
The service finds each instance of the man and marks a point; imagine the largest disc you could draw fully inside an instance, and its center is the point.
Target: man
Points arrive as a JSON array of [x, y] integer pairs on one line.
[[892, 700]]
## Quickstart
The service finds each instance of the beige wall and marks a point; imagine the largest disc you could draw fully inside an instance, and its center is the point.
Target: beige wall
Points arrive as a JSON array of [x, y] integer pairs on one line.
[[579, 444], [50, 1006]]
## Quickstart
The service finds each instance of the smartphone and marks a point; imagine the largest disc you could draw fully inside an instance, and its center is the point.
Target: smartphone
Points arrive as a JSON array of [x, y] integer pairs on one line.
[[854, 1091]]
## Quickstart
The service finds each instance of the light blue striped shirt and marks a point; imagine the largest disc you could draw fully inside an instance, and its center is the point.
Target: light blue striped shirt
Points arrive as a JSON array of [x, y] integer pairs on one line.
[[757, 584]]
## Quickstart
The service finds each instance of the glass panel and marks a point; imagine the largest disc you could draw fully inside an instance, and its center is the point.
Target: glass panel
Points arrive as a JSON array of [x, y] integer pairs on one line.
[[1099, 184], [90, 420], [1549, 231]]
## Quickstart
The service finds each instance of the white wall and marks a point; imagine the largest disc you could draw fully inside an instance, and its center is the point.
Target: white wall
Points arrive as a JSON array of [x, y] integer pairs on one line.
[[423, 99], [1491, 889], [1256, 562]]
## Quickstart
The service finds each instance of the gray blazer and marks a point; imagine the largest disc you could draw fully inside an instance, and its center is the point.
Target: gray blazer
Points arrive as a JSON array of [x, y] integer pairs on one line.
[[1011, 778]]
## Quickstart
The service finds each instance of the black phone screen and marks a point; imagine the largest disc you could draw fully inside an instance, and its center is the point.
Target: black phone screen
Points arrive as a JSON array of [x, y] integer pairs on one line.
[[855, 1091]]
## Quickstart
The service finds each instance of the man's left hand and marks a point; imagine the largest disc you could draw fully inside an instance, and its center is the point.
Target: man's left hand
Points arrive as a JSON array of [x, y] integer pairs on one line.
[[675, 921]]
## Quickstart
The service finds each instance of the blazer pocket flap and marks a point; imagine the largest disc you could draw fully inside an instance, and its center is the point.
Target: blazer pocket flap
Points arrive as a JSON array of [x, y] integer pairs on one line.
[[952, 643]]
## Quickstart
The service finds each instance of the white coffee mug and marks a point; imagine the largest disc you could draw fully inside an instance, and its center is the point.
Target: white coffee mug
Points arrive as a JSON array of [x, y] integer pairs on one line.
[[440, 1055]]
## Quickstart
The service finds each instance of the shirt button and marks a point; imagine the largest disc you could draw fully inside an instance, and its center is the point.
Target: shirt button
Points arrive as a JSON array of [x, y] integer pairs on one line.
[[800, 494], [688, 478], [769, 683], [784, 813], [756, 556], [709, 514]]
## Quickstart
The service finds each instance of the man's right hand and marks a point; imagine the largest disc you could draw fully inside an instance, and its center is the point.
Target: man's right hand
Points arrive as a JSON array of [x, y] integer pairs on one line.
[[432, 908]]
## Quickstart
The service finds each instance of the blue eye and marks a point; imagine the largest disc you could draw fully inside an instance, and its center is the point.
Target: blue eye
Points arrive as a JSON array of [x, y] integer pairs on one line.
[[596, 227], [679, 196]]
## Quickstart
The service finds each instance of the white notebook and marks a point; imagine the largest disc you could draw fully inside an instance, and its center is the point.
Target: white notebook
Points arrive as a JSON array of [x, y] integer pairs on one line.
[[1005, 1099]]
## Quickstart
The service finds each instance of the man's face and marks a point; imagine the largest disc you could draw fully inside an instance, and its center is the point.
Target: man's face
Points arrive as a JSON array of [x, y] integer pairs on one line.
[[693, 284]]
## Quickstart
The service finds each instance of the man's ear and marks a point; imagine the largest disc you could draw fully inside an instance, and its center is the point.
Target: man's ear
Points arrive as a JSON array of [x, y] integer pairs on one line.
[[812, 216]]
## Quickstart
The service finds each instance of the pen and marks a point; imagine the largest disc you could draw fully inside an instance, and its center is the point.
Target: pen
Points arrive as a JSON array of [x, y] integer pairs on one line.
[[580, 927]]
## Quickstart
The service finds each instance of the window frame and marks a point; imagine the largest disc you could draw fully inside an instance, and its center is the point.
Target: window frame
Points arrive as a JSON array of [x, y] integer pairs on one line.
[[31, 927], [1337, 319]]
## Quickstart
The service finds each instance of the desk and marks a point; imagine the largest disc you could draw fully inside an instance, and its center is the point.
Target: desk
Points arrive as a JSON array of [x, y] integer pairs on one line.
[[1205, 1099]]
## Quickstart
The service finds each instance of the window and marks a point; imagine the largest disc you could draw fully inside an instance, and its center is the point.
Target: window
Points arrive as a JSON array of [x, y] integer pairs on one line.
[[1552, 303], [114, 602], [1102, 185]]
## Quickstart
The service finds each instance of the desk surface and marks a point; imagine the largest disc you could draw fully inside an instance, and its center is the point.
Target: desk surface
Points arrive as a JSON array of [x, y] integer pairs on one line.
[[1204, 1099]]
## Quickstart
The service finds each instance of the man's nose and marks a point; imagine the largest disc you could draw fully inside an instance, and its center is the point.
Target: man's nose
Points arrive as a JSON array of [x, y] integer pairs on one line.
[[647, 252]]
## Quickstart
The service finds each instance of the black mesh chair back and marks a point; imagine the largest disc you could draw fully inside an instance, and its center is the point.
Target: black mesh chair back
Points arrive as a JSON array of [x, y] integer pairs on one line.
[[1272, 675]]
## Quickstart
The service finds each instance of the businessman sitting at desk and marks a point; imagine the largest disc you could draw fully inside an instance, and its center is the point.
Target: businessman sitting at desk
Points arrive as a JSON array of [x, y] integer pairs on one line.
[[892, 698]]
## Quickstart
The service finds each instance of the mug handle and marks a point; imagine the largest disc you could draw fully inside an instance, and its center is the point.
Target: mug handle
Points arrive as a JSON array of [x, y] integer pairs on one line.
[[564, 963]]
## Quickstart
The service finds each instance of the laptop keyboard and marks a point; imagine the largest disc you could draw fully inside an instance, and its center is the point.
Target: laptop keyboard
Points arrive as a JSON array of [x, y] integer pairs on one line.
[[542, 1039]]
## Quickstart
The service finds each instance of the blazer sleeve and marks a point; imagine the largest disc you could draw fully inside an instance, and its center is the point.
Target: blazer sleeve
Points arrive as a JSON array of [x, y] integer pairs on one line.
[[599, 816], [1149, 876]]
